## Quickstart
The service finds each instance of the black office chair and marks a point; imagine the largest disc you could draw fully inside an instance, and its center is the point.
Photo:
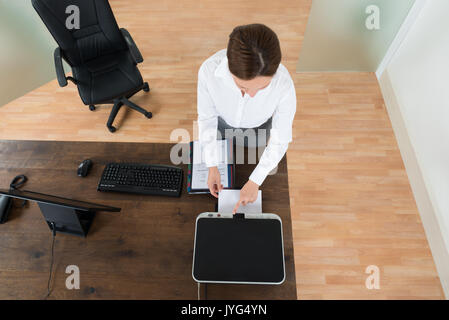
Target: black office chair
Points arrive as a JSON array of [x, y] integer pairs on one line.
[[103, 57]]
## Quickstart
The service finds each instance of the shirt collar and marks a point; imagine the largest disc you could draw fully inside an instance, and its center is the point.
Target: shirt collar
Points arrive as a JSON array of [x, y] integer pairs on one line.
[[223, 68], [223, 72]]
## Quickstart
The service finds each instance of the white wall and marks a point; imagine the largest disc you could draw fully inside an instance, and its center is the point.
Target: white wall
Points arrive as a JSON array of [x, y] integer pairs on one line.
[[416, 91], [26, 54], [337, 39]]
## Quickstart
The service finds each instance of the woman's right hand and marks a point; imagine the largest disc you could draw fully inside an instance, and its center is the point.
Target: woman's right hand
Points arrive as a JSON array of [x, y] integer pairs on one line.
[[213, 181]]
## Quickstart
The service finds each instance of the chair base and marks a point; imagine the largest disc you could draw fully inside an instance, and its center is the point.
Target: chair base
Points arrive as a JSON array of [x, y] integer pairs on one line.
[[118, 103]]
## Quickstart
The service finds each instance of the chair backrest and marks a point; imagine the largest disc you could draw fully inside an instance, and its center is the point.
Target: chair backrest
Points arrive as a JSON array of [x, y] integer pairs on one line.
[[98, 32]]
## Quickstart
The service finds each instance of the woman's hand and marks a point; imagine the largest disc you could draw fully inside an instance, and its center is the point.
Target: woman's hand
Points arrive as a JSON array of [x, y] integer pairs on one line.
[[213, 181], [248, 194]]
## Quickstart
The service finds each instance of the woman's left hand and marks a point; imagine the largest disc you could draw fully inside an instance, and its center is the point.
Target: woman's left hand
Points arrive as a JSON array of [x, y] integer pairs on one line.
[[248, 194]]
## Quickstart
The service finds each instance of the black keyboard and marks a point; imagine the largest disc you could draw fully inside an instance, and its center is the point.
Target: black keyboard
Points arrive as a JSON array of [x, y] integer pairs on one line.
[[149, 179]]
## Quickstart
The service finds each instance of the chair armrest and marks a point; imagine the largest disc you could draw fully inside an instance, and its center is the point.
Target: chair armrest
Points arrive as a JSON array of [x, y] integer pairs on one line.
[[135, 53], [60, 74]]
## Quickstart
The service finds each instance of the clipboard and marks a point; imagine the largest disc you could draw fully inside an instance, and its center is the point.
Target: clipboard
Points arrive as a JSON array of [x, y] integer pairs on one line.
[[238, 249], [230, 168]]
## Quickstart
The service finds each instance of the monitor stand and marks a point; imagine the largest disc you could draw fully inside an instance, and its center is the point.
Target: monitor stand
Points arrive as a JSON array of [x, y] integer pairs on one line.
[[67, 220]]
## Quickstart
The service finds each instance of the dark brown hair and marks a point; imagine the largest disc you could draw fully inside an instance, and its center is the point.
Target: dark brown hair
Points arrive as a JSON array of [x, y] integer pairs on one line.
[[253, 50]]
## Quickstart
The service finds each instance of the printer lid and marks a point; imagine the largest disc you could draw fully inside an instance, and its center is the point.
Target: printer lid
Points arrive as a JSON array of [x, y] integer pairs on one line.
[[241, 248]]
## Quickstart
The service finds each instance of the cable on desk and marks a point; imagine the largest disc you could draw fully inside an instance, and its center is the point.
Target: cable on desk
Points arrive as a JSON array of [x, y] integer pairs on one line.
[[205, 291], [16, 183], [53, 227]]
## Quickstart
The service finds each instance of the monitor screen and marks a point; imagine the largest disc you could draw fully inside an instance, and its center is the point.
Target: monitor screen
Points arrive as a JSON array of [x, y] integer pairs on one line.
[[239, 250], [64, 202]]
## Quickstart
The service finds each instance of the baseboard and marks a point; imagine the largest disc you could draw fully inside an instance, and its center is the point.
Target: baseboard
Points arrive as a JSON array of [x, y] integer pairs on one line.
[[421, 193]]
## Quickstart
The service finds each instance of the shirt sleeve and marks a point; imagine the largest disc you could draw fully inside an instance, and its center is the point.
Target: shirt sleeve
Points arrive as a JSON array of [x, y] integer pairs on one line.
[[207, 121], [280, 135]]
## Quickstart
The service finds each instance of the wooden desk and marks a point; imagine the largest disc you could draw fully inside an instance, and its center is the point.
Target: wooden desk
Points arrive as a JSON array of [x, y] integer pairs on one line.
[[143, 252]]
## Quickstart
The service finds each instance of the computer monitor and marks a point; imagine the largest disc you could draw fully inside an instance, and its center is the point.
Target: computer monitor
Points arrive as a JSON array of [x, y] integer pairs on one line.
[[66, 215]]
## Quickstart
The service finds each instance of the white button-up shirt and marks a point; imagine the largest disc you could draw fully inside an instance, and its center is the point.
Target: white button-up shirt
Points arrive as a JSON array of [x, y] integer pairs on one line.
[[218, 95]]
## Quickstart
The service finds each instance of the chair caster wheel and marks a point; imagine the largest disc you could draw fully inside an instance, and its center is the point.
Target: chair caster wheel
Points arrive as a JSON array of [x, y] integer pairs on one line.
[[92, 107], [112, 129], [146, 88], [149, 115]]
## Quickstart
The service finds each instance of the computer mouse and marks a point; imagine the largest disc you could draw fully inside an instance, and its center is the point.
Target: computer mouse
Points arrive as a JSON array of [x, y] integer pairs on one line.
[[84, 167]]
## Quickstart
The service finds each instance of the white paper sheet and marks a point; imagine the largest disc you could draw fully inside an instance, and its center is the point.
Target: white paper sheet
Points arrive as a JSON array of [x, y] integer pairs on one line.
[[227, 199], [200, 171]]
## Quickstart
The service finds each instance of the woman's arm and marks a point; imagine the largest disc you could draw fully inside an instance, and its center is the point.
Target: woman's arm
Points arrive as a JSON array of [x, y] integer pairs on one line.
[[280, 135], [207, 121], [207, 128]]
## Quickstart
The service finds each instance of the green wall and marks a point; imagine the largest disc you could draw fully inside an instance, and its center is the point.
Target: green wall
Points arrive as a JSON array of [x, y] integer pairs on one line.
[[337, 39], [26, 54]]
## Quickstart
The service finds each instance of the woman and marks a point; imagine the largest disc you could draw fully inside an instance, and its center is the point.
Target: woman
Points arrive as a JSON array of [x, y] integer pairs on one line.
[[244, 87]]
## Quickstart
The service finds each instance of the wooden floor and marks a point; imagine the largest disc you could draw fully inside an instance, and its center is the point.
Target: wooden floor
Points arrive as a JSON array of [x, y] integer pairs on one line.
[[351, 201]]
